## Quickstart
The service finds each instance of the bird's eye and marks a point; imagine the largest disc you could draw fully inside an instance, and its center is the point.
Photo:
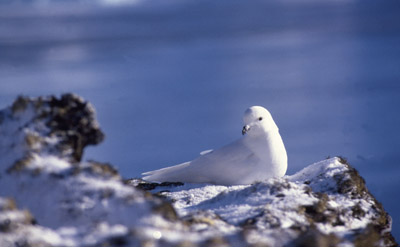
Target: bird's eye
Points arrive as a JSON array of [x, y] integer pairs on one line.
[[260, 118]]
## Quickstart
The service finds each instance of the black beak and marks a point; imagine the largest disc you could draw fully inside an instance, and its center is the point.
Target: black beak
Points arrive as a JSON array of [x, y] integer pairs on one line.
[[245, 129]]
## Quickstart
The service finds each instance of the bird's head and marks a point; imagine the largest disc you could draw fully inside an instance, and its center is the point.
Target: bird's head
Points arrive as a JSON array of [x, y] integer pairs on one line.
[[257, 120]]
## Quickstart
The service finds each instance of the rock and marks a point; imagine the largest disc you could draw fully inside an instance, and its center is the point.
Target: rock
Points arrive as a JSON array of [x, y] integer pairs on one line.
[[141, 184], [76, 203], [69, 121], [70, 202], [17, 228], [314, 238], [325, 204]]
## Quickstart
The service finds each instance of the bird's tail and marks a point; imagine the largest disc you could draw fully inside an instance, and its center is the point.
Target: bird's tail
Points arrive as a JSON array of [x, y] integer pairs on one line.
[[168, 174]]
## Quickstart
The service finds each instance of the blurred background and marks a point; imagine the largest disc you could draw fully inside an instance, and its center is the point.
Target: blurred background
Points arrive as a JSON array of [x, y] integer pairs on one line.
[[172, 78]]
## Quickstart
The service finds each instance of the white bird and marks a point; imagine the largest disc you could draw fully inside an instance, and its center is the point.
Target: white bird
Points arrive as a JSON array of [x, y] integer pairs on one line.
[[260, 154]]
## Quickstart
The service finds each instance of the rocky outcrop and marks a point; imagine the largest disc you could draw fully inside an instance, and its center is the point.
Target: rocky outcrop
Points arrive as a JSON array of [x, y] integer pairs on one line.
[[325, 204], [70, 202], [79, 203], [62, 127]]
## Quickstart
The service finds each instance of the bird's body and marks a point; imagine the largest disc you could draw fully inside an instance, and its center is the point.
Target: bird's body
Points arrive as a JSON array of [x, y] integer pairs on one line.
[[260, 154]]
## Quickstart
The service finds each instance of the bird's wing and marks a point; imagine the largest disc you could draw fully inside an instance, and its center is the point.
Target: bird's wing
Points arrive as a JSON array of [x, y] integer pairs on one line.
[[161, 175], [223, 166]]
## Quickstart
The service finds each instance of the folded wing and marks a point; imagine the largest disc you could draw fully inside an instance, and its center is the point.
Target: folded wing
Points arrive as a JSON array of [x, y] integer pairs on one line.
[[232, 160]]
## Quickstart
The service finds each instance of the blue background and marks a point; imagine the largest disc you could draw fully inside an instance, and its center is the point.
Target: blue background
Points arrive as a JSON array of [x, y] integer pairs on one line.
[[169, 80]]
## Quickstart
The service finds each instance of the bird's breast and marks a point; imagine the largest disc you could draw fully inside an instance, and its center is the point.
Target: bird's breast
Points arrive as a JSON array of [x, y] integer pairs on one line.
[[269, 148]]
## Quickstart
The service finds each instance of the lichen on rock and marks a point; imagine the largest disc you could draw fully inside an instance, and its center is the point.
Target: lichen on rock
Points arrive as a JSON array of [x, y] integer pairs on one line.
[[46, 126]]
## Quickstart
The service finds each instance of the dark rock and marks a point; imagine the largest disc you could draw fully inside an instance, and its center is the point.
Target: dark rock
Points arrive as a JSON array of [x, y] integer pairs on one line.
[[317, 211], [166, 210], [144, 185], [11, 218], [377, 231], [216, 242], [73, 119], [53, 126], [203, 217], [358, 212], [103, 169], [353, 183], [314, 238]]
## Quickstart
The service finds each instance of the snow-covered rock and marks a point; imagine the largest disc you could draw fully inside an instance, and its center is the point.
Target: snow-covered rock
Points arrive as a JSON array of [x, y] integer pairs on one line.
[[75, 203], [325, 203], [49, 197]]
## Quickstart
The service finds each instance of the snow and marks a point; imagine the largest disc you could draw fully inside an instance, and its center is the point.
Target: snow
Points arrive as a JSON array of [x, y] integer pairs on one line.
[[235, 203], [280, 199], [50, 164], [324, 173]]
